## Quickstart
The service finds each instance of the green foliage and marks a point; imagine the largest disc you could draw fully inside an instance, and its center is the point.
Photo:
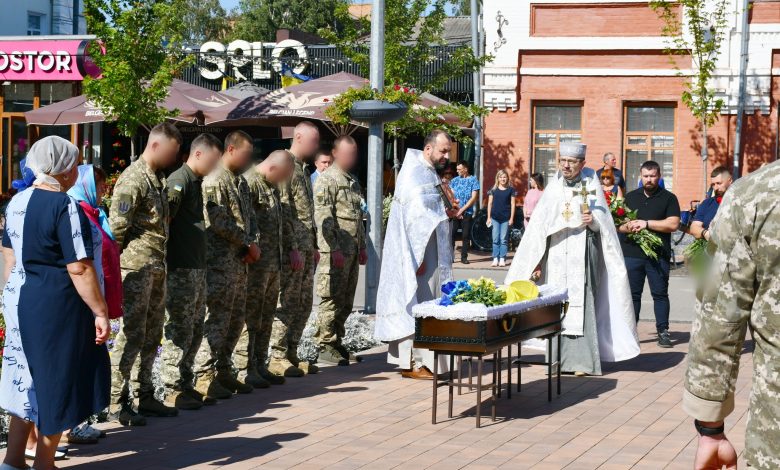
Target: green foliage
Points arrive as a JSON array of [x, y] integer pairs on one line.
[[142, 43], [407, 53], [700, 35], [387, 204], [258, 20], [460, 7], [204, 20]]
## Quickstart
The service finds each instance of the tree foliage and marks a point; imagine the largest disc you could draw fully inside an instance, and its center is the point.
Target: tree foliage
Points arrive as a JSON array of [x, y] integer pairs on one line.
[[699, 33], [258, 20], [460, 7], [204, 20], [410, 35], [139, 53]]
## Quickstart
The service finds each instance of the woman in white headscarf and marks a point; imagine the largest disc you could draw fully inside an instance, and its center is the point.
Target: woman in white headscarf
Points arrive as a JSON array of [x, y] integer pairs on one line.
[[55, 366]]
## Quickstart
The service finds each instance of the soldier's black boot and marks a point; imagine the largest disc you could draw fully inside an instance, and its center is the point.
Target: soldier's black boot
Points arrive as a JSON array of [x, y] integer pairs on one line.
[[271, 378], [231, 383], [150, 407], [126, 415], [347, 354], [205, 399], [254, 379]]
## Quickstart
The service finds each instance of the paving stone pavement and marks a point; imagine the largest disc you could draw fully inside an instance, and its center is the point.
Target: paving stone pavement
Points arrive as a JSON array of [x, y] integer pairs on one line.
[[366, 416]]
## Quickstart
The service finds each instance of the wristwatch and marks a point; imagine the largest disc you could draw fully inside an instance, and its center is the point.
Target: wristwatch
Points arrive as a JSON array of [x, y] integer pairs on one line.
[[705, 431]]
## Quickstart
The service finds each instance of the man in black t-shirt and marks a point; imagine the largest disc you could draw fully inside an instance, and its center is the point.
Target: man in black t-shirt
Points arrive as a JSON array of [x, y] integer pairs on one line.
[[658, 211]]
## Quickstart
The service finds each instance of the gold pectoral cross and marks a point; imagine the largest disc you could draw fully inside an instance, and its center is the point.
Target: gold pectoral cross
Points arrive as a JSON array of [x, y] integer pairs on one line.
[[567, 212], [583, 192]]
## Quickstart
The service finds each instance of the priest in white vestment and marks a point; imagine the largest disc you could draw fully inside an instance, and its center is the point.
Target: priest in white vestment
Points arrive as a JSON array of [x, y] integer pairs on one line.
[[417, 255], [571, 239]]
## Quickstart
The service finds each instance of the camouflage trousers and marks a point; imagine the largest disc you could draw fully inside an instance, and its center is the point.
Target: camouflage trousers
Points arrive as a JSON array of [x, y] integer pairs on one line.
[[136, 345], [296, 297], [185, 313], [261, 299], [336, 288], [225, 304]]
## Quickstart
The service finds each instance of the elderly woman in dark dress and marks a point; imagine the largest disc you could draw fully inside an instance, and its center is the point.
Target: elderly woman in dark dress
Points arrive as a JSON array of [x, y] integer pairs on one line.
[[55, 365]]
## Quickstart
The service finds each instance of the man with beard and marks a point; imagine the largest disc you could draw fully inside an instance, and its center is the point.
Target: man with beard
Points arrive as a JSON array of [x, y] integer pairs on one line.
[[418, 255], [721, 181], [659, 212]]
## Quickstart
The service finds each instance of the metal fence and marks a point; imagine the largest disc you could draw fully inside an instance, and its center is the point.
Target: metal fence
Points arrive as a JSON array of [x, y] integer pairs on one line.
[[322, 60]]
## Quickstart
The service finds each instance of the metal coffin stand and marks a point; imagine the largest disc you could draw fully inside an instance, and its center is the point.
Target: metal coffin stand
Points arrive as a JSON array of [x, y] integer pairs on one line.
[[477, 339]]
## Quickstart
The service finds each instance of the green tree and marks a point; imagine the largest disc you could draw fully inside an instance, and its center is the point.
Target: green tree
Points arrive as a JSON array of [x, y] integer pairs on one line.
[[699, 34], [258, 20], [410, 35], [460, 7], [139, 51], [204, 20]]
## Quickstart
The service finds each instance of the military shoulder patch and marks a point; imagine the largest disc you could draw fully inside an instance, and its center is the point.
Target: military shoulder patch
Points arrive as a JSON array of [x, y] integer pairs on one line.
[[124, 204], [211, 194], [177, 187]]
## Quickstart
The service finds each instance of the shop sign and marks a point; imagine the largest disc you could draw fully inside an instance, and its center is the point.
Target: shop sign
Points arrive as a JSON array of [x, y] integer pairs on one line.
[[240, 53], [45, 60]]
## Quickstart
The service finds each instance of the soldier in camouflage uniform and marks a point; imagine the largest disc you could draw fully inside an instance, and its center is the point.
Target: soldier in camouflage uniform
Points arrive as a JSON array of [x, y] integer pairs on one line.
[[186, 293], [297, 290], [742, 292], [231, 246], [342, 241], [252, 350], [139, 222]]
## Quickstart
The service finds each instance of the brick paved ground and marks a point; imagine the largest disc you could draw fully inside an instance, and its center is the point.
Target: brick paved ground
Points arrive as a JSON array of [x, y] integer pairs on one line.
[[366, 416]]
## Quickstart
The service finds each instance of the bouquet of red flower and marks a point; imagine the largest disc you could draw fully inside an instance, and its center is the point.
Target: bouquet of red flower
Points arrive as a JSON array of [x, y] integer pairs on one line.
[[621, 214]]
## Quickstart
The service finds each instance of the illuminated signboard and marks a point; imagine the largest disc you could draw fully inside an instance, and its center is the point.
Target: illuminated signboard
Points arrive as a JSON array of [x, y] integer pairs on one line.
[[240, 53]]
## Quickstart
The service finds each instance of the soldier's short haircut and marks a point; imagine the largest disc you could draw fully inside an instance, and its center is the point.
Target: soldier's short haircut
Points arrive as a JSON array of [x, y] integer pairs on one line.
[[431, 138], [343, 139], [167, 130], [236, 138], [719, 171], [651, 165], [305, 125], [206, 141], [323, 153]]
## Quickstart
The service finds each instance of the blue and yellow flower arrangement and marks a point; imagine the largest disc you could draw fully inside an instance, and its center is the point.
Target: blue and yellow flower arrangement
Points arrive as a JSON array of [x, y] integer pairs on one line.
[[475, 291]]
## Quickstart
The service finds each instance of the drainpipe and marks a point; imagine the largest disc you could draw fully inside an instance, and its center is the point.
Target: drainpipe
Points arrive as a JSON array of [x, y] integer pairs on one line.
[[475, 48], [742, 87]]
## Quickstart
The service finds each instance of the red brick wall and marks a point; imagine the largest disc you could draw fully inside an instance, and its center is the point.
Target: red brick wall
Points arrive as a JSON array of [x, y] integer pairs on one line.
[[603, 59], [508, 134], [765, 12], [614, 19]]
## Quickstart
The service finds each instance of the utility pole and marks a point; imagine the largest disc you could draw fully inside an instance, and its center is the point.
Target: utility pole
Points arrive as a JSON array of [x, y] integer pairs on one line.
[[375, 157], [477, 50], [743, 63]]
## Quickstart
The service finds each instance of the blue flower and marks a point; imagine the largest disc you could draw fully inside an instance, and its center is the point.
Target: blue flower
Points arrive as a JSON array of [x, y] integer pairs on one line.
[[449, 288], [445, 301]]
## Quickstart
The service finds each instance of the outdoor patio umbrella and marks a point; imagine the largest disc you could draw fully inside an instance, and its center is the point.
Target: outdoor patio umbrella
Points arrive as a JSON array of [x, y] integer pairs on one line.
[[191, 101], [245, 90]]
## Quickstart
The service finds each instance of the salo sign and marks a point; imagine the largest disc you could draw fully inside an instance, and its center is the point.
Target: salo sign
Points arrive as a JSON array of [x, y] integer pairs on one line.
[[45, 60], [240, 53]]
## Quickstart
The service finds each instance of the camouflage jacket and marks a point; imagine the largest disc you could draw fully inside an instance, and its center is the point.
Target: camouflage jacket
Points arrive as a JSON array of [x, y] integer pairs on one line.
[[743, 291], [297, 201], [338, 213], [270, 223], [139, 216], [229, 217]]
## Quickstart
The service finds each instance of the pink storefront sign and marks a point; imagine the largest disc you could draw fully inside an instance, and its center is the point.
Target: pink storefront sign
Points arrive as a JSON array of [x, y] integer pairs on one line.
[[65, 60]]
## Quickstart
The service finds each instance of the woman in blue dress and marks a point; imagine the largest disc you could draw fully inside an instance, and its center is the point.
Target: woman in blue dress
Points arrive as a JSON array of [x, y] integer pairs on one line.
[[55, 364]]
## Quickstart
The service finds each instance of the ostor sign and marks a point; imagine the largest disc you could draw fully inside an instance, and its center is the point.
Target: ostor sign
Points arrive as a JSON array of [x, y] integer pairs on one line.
[[240, 53], [45, 60]]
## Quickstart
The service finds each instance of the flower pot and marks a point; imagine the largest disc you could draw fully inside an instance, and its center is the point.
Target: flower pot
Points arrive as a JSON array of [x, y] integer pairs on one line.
[[373, 111]]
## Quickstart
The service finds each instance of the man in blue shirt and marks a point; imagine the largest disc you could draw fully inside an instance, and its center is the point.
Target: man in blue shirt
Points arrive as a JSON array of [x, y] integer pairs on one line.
[[610, 161], [466, 190], [721, 181], [321, 163]]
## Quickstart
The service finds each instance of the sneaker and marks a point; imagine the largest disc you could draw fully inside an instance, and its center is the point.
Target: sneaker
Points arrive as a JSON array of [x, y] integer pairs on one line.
[[664, 339], [185, 401], [231, 383], [502, 262], [60, 454], [271, 378], [151, 407], [495, 262], [254, 379], [284, 368], [83, 434], [208, 385], [206, 400], [330, 355], [126, 415]]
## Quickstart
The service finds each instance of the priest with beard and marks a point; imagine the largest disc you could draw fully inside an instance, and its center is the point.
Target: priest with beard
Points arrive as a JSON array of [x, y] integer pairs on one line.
[[571, 241], [417, 257]]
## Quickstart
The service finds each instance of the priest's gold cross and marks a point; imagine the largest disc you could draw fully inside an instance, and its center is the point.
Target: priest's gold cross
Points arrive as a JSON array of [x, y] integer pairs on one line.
[[567, 212], [585, 206]]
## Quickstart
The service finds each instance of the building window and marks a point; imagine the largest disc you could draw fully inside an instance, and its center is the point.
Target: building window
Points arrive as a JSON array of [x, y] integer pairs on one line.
[[648, 135], [553, 124], [34, 23]]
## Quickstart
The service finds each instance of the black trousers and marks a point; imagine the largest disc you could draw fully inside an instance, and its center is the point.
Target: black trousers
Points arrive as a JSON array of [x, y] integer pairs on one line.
[[465, 226]]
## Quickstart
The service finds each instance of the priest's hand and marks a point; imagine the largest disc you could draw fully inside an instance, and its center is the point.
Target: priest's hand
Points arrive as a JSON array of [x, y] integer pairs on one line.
[[337, 257], [714, 452], [363, 257], [296, 260], [587, 218]]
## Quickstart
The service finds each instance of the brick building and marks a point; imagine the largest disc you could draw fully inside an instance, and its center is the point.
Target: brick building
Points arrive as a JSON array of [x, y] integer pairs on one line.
[[594, 71]]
